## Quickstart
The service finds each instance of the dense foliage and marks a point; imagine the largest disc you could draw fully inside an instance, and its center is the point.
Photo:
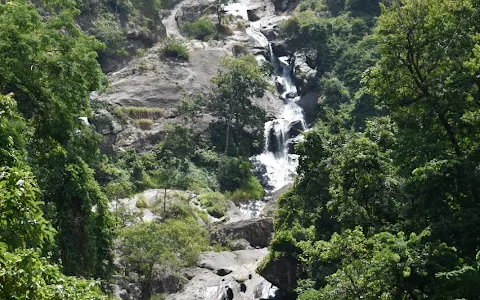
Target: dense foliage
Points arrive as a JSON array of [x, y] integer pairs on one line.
[[25, 234], [47, 69], [385, 205], [122, 26], [149, 247]]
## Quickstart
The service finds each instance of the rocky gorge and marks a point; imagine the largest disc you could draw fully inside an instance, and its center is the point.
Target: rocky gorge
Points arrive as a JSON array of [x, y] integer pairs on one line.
[[150, 82]]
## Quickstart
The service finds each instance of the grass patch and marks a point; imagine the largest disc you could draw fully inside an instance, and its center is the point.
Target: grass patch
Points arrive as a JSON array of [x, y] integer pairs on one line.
[[215, 204], [174, 48], [158, 297], [241, 25], [140, 112], [203, 216], [220, 248], [178, 211], [202, 29], [144, 124]]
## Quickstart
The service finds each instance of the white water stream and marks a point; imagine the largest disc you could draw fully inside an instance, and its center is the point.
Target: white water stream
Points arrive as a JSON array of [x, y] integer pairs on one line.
[[277, 163]]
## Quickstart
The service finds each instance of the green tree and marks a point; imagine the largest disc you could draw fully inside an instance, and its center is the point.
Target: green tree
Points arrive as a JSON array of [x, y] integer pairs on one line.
[[386, 266], [427, 78], [50, 67], [173, 244], [24, 232], [231, 100]]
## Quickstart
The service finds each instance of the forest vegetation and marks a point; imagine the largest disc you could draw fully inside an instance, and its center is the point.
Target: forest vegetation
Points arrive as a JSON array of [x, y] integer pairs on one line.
[[386, 204]]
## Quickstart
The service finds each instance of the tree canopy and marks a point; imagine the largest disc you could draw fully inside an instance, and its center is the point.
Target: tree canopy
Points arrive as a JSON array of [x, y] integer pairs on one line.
[[385, 205], [48, 67]]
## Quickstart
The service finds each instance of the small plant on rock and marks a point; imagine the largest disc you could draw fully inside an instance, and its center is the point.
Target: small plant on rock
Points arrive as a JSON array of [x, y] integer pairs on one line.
[[174, 48], [141, 202], [202, 29]]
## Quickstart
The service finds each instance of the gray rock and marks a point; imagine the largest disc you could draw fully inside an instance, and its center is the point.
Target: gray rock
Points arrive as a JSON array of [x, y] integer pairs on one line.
[[303, 74], [256, 11], [284, 5], [165, 282], [105, 122], [279, 85], [271, 206], [290, 95], [161, 85], [239, 284], [270, 25], [193, 11], [281, 272], [280, 48], [309, 103], [269, 32], [295, 129], [258, 232], [240, 244]]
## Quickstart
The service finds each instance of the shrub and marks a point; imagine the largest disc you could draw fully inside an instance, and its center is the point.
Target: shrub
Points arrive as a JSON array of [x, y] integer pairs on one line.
[[141, 202], [203, 215], [107, 29], [250, 190], [144, 124], [200, 179], [202, 29], [143, 67], [179, 211], [240, 49], [217, 210], [215, 203], [158, 297], [232, 173], [174, 48], [242, 25]]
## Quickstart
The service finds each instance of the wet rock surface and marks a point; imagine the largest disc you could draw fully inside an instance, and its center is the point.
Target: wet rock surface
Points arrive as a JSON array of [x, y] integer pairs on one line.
[[227, 275]]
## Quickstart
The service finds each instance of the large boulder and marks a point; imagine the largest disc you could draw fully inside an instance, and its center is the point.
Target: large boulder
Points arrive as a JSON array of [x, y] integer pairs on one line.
[[258, 232], [256, 11], [150, 81], [295, 129], [281, 272], [303, 75], [270, 26], [164, 282], [309, 104], [193, 11], [271, 206], [280, 48], [227, 275]]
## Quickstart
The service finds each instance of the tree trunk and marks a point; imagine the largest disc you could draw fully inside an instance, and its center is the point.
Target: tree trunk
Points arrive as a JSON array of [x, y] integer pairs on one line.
[[165, 200], [227, 138]]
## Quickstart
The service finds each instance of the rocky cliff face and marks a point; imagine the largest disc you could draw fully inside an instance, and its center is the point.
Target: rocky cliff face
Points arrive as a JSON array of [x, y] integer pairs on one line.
[[149, 81]]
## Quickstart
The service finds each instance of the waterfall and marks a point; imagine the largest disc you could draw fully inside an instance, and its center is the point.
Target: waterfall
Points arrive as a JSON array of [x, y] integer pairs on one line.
[[277, 162]]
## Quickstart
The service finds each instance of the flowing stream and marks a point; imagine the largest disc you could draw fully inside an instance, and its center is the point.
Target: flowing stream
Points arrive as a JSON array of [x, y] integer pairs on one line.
[[277, 164]]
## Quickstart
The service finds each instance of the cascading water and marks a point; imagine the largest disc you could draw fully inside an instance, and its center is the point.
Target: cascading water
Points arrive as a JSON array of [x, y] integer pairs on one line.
[[281, 134], [277, 164]]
